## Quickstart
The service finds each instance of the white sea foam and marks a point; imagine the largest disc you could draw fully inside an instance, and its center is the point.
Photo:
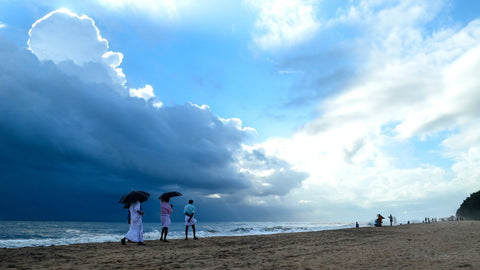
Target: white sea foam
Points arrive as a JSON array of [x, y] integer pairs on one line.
[[17, 243], [15, 234]]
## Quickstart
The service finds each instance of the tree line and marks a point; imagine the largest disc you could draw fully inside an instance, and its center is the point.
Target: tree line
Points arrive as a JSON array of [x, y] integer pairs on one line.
[[470, 208]]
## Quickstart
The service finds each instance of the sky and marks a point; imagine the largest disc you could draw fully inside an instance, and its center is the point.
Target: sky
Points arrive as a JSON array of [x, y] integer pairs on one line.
[[301, 110]]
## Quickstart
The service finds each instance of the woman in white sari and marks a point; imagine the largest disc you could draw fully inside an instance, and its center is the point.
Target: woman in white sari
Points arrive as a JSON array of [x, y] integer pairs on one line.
[[135, 234]]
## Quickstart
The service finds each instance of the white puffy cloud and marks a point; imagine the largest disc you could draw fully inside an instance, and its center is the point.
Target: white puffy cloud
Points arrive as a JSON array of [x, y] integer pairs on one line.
[[237, 123], [63, 36], [2, 25], [283, 23], [145, 93], [75, 44]]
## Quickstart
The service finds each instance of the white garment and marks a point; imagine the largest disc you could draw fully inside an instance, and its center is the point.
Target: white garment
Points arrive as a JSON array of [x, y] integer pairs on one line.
[[165, 221], [192, 221], [135, 234]]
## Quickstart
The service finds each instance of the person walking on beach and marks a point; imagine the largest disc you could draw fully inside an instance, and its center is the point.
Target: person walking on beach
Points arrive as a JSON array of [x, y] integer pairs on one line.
[[166, 211], [135, 233], [189, 211]]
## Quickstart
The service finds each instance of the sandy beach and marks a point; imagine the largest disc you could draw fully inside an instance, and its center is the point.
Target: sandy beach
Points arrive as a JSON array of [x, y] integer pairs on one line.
[[443, 245]]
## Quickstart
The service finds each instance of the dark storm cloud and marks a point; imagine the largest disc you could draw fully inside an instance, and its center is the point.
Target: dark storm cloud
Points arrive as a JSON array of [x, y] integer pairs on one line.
[[53, 118], [70, 143]]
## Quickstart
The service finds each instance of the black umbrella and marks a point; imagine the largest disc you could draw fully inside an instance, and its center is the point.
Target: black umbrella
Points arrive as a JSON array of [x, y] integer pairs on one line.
[[134, 196], [168, 195]]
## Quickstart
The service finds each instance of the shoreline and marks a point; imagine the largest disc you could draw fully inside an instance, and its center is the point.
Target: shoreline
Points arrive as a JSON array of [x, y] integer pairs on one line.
[[41, 233], [442, 245]]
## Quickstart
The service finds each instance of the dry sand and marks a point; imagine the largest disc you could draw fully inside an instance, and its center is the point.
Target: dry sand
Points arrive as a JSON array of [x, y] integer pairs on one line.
[[443, 245]]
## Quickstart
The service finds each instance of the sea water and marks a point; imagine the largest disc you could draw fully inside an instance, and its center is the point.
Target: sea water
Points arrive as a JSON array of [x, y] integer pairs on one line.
[[16, 234]]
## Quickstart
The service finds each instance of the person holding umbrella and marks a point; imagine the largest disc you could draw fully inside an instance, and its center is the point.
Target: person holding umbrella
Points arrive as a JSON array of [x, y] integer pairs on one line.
[[166, 211], [133, 201], [379, 221]]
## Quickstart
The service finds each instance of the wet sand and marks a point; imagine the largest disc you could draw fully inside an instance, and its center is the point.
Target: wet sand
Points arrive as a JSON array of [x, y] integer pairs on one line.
[[442, 245]]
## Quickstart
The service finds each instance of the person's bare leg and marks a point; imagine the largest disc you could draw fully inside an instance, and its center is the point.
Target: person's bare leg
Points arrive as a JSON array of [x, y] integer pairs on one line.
[[161, 235], [186, 232], [193, 228], [165, 236]]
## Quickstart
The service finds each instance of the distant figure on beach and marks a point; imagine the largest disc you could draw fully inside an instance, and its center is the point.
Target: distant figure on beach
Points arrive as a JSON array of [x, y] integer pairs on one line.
[[379, 221], [135, 233], [189, 211], [391, 219], [165, 212], [357, 225]]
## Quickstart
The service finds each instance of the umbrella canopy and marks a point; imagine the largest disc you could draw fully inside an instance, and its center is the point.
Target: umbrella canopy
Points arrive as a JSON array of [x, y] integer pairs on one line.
[[168, 195], [134, 196]]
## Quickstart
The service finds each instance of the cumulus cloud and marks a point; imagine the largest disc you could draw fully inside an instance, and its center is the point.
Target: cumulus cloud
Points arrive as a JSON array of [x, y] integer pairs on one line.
[[63, 36], [70, 135], [75, 45], [283, 23], [145, 93], [2, 25]]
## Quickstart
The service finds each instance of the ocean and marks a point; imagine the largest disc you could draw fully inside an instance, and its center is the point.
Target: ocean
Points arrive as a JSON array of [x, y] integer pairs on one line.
[[16, 234]]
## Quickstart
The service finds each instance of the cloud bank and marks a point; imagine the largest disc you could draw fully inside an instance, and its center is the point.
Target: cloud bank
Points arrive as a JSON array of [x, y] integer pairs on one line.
[[394, 135], [394, 128], [71, 132]]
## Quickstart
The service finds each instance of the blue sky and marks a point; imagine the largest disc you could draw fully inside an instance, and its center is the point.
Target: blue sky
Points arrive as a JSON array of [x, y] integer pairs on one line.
[[259, 110]]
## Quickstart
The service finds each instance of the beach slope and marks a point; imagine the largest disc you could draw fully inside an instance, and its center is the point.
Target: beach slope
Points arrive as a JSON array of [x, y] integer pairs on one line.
[[443, 245]]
